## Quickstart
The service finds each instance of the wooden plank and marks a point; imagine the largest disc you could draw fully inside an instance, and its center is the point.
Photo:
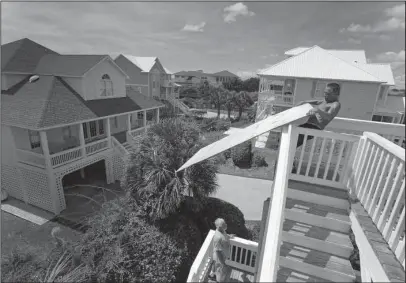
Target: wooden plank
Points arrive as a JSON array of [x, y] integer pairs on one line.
[[275, 121], [289, 275], [318, 189]]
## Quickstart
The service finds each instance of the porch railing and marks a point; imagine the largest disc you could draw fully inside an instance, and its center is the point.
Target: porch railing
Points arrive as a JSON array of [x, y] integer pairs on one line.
[[243, 254], [96, 146], [31, 158], [201, 264], [119, 148], [64, 157], [378, 181]]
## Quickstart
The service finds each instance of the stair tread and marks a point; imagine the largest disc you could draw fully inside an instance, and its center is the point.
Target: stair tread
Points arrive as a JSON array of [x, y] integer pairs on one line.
[[317, 233], [316, 258], [289, 275], [317, 209], [318, 189]]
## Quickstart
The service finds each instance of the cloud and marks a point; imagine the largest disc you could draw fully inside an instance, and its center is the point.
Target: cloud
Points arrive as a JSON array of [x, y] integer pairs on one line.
[[238, 9], [194, 28], [270, 55], [400, 81], [396, 21], [392, 56], [246, 74], [354, 40]]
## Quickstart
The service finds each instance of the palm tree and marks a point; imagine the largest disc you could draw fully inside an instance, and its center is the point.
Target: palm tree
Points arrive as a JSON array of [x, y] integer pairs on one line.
[[242, 100], [151, 177], [215, 95], [229, 101]]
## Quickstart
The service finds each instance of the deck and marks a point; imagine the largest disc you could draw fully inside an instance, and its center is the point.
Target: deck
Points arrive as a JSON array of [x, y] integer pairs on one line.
[[236, 275]]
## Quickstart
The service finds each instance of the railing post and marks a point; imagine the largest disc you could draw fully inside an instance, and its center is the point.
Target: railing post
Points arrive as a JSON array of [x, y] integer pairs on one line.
[[82, 140], [270, 248], [108, 129], [157, 115], [145, 120], [128, 122]]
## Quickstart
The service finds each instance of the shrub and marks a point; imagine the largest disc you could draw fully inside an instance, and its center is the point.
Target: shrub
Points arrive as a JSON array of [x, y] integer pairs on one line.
[[258, 160], [214, 124], [121, 246], [242, 155], [254, 230], [227, 153]]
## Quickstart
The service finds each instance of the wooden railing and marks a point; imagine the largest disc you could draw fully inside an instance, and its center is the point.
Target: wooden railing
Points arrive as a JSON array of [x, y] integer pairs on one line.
[[64, 157], [119, 148], [201, 264], [324, 159], [96, 146], [378, 181], [243, 254], [31, 158]]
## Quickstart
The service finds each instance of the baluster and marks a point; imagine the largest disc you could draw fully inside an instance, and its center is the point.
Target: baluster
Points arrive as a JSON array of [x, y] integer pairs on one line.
[[370, 166], [385, 192], [362, 167], [301, 154], [391, 198], [244, 256], [378, 186], [395, 212], [400, 251], [400, 228], [316, 173], [371, 184], [340, 155], [332, 148], [249, 258], [357, 160], [309, 163]]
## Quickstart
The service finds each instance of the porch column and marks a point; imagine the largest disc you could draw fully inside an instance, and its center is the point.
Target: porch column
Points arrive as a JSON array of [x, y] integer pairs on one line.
[[145, 120], [129, 122], [82, 140], [108, 130], [45, 148], [157, 115]]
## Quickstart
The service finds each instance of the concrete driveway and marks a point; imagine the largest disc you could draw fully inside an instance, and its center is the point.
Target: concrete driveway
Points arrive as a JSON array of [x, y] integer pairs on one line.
[[248, 194]]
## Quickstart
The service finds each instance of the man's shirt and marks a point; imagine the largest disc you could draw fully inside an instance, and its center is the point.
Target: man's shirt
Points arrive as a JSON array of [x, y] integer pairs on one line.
[[221, 243], [331, 108]]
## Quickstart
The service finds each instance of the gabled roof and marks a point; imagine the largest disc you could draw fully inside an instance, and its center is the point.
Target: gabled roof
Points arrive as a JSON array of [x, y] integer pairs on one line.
[[381, 71], [318, 63], [350, 56], [67, 65], [193, 74], [224, 73], [22, 56], [168, 71], [51, 101], [144, 63]]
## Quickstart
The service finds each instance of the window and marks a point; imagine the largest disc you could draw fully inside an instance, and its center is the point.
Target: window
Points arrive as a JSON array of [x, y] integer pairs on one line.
[[382, 118], [67, 132], [93, 129], [35, 140], [107, 86]]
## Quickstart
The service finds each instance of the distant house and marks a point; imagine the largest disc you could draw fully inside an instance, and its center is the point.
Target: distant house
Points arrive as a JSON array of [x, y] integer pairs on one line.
[[224, 76], [191, 78], [61, 114]]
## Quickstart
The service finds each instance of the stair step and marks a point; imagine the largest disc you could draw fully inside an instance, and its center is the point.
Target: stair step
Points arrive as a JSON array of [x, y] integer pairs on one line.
[[316, 263], [319, 189], [289, 275], [319, 238]]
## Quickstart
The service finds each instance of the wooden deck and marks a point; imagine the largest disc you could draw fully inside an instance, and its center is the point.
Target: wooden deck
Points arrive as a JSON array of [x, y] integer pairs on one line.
[[236, 275]]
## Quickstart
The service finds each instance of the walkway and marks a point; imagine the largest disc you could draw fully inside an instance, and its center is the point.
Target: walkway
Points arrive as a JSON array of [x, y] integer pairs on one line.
[[248, 194]]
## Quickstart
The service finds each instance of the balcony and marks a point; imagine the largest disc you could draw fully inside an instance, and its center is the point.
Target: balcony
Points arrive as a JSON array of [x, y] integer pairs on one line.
[[341, 184]]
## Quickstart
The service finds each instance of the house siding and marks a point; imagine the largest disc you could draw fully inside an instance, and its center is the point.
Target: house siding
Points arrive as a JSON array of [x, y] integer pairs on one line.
[[8, 80], [135, 73], [7, 146], [92, 81], [76, 83]]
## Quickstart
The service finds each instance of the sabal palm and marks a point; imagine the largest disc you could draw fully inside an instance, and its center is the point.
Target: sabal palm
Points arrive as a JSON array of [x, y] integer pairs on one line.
[[242, 100], [230, 103], [151, 178]]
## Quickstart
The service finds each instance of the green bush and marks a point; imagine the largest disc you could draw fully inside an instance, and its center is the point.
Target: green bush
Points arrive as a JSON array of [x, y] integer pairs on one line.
[[121, 246], [227, 153], [214, 124], [242, 155], [258, 160]]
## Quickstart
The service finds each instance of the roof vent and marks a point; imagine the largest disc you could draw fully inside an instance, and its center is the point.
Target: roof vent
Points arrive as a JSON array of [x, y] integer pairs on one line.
[[34, 78]]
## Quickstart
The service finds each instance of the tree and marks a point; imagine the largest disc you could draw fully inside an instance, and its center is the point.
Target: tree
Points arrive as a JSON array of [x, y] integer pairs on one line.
[[242, 100], [235, 84], [151, 177], [251, 84], [229, 103], [214, 94]]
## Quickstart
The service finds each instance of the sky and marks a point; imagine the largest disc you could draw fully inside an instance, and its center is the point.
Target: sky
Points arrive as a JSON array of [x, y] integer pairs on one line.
[[242, 37]]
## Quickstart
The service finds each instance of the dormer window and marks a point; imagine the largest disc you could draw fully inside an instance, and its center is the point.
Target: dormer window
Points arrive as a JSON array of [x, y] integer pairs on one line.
[[107, 86]]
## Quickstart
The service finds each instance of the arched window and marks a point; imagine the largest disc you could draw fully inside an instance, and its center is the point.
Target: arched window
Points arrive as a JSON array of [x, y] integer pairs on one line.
[[106, 86]]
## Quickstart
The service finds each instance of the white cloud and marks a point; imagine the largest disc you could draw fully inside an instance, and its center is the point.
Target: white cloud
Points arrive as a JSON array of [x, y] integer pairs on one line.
[[396, 21], [238, 9], [194, 28], [392, 56], [246, 74], [270, 55], [354, 40]]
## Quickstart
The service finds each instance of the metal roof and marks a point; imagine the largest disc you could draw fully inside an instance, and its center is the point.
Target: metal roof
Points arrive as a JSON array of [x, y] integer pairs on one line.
[[381, 71], [346, 55]]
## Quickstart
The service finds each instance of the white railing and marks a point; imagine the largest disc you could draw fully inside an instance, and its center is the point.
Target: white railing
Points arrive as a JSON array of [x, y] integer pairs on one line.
[[31, 158], [118, 147], [201, 264], [96, 146], [378, 181], [61, 158], [324, 159], [243, 254]]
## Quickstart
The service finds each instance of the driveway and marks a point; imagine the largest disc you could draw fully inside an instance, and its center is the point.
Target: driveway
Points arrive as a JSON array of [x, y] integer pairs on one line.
[[248, 194], [211, 114]]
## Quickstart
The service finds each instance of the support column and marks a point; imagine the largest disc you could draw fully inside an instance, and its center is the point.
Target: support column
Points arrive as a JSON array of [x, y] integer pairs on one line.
[[82, 173], [157, 115], [108, 131], [145, 120], [82, 140], [129, 122]]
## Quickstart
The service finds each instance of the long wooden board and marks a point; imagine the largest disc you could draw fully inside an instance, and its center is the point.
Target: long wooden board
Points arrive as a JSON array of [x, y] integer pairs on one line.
[[275, 121]]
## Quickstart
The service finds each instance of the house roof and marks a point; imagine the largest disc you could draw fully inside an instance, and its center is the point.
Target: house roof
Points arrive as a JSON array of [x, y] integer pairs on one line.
[[381, 71], [224, 73], [346, 55], [51, 101], [67, 65], [193, 74], [22, 56], [168, 71], [144, 63], [319, 64], [394, 104]]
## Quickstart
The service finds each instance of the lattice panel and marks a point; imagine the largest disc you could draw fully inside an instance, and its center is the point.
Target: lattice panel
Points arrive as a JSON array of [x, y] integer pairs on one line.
[[118, 167], [10, 181], [60, 194], [38, 191]]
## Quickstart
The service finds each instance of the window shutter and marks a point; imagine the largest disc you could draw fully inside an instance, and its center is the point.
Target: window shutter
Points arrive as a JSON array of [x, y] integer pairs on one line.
[[313, 89]]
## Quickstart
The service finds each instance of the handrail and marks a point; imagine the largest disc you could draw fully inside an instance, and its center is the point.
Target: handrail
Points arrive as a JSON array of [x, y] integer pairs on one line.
[[199, 266], [389, 146], [243, 254], [119, 146], [268, 266], [30, 157]]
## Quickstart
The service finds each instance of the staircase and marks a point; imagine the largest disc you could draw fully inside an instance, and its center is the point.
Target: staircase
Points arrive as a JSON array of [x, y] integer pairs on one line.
[[129, 147], [179, 104], [316, 245]]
